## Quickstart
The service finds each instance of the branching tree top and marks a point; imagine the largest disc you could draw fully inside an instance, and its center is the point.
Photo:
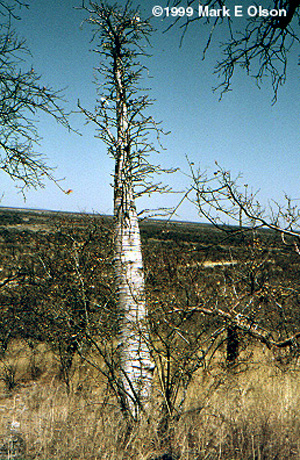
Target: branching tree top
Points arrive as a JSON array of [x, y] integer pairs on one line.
[[22, 96], [259, 44], [121, 43]]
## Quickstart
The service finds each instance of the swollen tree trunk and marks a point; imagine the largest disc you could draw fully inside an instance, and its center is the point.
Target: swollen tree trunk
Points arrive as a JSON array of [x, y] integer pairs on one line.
[[135, 363], [129, 280], [124, 125]]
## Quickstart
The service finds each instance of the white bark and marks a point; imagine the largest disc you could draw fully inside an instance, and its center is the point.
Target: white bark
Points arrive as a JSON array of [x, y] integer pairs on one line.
[[123, 126], [129, 272], [133, 338]]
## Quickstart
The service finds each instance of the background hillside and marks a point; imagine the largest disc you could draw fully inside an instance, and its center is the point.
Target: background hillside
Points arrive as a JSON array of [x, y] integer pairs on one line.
[[239, 396]]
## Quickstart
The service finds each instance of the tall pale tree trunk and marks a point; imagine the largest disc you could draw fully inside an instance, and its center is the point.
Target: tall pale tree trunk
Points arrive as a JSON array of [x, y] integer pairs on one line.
[[129, 281], [124, 124], [129, 273]]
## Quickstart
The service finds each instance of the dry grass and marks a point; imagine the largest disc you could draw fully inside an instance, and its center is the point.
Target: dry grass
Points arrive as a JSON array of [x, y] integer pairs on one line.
[[248, 413], [251, 414]]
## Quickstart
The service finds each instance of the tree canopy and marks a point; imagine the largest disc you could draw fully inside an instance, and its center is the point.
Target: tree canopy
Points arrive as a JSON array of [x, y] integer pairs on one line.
[[258, 44], [22, 96]]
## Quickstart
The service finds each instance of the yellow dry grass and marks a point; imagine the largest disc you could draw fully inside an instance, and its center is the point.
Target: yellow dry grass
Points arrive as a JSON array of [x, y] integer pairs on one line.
[[251, 412]]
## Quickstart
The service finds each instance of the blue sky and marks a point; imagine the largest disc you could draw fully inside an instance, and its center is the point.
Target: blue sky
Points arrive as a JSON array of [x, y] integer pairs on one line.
[[243, 131]]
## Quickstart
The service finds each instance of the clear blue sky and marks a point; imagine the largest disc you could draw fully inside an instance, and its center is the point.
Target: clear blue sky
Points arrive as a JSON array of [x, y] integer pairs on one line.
[[243, 132]]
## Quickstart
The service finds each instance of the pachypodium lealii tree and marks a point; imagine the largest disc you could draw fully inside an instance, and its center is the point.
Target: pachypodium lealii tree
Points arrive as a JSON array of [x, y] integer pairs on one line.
[[124, 124]]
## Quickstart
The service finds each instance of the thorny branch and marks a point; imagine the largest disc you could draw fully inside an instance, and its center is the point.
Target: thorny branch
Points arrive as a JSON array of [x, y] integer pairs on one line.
[[260, 46], [142, 128], [22, 96]]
